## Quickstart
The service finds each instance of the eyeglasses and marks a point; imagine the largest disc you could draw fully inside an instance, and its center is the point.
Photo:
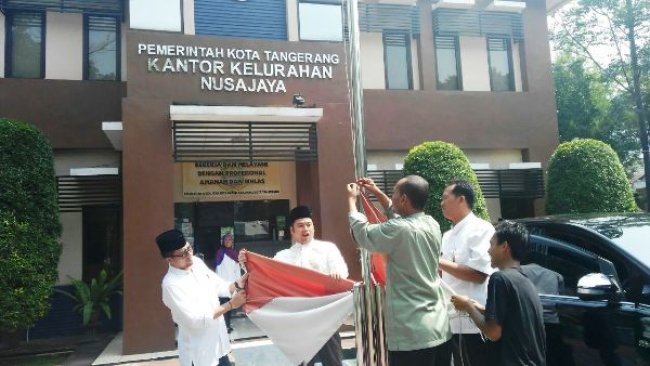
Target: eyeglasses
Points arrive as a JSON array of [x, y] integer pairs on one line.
[[185, 253]]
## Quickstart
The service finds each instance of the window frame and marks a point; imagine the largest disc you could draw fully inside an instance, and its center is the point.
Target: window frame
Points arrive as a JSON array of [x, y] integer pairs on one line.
[[9, 42], [118, 47], [409, 60], [459, 70], [319, 2], [511, 71]]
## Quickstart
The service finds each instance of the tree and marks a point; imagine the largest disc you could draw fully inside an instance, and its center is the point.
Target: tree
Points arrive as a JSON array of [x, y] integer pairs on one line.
[[585, 176], [621, 29], [588, 107], [29, 225], [440, 162]]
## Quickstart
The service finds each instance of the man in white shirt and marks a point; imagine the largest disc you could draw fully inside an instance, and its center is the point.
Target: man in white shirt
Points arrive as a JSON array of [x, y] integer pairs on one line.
[[318, 255], [191, 292], [465, 265]]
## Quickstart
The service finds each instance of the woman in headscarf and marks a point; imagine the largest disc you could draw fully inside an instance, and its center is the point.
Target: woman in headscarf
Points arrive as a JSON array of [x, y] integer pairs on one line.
[[227, 267]]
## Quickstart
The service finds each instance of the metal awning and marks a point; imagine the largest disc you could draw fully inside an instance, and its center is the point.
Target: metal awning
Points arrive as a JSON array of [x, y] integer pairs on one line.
[[244, 133], [75, 192], [494, 183]]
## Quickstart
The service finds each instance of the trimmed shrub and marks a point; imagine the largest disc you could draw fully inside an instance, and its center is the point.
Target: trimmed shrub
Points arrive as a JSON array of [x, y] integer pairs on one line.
[[29, 225], [586, 175], [440, 162]]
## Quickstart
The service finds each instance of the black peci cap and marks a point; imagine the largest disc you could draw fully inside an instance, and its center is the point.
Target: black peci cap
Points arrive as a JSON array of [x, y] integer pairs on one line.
[[299, 212], [170, 240]]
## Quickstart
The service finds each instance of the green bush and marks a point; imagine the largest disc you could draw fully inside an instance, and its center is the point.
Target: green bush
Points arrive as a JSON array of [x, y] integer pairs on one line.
[[440, 162], [29, 225], [586, 175]]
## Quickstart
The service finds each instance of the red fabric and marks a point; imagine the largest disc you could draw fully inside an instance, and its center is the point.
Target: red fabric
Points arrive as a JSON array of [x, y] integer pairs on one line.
[[377, 260], [268, 278]]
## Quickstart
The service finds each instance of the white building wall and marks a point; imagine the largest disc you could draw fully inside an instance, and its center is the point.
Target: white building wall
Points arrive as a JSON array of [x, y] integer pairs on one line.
[[70, 262], [415, 69], [64, 46], [188, 17], [2, 45], [372, 61], [66, 160], [474, 64], [516, 65], [293, 30], [498, 159], [167, 15]]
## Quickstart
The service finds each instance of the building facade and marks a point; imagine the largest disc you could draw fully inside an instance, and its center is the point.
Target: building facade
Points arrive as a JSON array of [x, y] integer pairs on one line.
[[218, 116]]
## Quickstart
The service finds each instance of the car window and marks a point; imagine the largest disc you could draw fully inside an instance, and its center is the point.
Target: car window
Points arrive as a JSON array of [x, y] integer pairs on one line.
[[570, 262], [588, 244]]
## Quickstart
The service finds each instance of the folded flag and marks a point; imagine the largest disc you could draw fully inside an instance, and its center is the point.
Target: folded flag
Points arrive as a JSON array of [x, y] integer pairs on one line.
[[298, 309]]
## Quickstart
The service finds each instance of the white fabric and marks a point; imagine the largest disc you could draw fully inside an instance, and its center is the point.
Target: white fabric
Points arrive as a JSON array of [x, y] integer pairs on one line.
[[192, 296], [318, 255], [229, 270], [467, 243], [300, 326]]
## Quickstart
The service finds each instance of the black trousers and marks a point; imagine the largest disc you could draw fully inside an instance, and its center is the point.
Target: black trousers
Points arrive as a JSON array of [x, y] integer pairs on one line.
[[470, 350], [435, 356], [226, 315], [331, 354]]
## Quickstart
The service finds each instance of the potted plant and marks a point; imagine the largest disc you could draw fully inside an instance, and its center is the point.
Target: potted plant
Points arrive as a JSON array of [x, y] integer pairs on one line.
[[94, 298]]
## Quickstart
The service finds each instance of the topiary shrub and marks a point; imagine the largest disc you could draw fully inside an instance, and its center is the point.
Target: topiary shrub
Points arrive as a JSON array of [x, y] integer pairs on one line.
[[440, 162], [29, 225], [586, 175]]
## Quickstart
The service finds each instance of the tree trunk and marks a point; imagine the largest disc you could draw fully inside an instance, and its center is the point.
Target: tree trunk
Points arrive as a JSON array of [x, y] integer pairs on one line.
[[638, 100]]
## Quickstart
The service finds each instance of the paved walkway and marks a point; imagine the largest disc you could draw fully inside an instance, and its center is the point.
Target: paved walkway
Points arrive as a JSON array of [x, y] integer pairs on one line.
[[249, 348]]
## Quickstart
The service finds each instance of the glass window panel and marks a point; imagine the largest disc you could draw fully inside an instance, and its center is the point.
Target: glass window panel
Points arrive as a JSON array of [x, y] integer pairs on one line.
[[397, 59], [26, 45], [501, 76], [447, 63], [102, 48], [320, 22]]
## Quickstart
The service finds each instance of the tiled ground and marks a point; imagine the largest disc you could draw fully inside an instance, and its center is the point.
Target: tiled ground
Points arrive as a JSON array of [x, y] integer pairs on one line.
[[250, 348]]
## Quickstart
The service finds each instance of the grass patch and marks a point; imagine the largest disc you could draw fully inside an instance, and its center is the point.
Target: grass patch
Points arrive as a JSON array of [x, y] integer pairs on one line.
[[51, 359]]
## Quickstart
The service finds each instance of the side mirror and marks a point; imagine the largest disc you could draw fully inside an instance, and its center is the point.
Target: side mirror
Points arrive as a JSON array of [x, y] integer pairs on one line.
[[597, 286]]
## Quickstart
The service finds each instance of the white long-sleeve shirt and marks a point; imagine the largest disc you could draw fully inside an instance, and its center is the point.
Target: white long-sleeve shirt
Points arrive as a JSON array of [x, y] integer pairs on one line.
[[192, 296], [467, 243], [318, 255]]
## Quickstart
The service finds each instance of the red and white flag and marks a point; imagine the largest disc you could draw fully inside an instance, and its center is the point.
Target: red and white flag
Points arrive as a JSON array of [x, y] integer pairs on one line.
[[298, 309]]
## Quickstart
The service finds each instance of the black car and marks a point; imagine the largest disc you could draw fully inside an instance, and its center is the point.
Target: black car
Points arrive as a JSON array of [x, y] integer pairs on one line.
[[599, 319]]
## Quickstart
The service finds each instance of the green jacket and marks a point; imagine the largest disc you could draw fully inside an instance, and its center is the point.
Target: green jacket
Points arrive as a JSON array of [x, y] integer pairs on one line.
[[415, 312]]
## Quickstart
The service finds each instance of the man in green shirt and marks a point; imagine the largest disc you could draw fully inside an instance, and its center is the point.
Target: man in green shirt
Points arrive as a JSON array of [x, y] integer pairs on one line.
[[417, 325]]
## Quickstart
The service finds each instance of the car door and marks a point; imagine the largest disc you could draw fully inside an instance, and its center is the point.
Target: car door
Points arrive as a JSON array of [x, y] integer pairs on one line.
[[580, 332]]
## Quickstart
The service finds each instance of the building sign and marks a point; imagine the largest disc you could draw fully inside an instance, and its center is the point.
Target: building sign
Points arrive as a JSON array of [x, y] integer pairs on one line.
[[237, 69], [231, 179]]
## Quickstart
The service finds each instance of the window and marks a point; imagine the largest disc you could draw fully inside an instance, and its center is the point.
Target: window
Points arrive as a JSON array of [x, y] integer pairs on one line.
[[320, 20], [101, 48], [397, 60], [448, 63], [570, 262], [500, 59], [25, 45]]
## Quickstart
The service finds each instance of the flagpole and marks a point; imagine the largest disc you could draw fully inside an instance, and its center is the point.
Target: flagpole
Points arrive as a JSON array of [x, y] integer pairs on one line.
[[370, 339]]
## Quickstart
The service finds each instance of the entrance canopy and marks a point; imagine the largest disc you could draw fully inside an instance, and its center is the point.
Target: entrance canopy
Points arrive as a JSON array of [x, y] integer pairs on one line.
[[244, 133]]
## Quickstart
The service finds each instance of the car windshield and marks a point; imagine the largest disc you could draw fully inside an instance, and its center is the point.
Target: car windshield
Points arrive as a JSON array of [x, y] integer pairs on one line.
[[631, 233]]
